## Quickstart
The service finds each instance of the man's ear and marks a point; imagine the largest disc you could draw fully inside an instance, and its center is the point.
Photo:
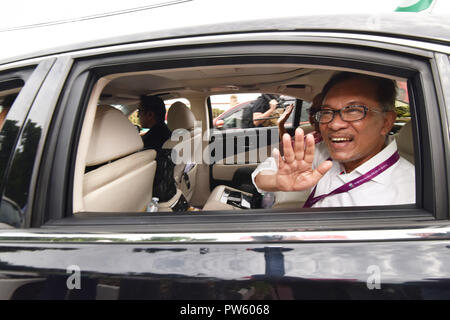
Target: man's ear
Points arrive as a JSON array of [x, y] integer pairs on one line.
[[389, 120]]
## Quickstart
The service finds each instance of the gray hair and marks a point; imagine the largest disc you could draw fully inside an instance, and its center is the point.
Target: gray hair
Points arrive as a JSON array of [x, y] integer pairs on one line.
[[386, 91]]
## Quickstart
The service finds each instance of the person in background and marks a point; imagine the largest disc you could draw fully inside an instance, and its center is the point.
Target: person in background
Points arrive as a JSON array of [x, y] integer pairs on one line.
[[152, 113], [265, 107]]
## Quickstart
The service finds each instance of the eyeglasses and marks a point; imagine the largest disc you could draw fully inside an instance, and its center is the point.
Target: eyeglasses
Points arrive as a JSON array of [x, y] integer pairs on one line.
[[348, 114]]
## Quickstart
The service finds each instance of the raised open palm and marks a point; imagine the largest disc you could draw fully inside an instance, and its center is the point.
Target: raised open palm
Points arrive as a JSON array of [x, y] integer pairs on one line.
[[295, 172]]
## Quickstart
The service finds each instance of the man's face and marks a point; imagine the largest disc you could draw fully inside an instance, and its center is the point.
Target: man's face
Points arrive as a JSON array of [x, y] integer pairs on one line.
[[353, 143], [146, 118]]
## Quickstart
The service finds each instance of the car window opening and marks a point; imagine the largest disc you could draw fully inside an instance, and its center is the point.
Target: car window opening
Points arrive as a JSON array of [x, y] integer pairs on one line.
[[198, 168]]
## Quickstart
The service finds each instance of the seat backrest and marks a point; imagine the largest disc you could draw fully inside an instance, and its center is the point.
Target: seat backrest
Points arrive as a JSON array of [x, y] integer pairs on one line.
[[180, 116], [181, 121], [405, 143], [123, 178]]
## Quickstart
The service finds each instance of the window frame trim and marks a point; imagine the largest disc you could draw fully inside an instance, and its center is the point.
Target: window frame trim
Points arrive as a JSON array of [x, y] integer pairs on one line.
[[67, 233]]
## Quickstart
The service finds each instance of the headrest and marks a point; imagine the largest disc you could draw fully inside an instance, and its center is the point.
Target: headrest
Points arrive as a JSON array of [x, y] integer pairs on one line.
[[180, 116], [405, 142], [113, 136]]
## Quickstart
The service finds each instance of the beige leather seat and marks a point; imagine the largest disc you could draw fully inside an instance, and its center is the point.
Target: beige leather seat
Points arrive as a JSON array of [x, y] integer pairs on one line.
[[405, 143], [180, 116], [186, 147], [124, 180]]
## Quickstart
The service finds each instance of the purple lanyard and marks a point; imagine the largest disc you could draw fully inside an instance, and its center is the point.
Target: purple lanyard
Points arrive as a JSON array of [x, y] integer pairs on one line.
[[355, 182]]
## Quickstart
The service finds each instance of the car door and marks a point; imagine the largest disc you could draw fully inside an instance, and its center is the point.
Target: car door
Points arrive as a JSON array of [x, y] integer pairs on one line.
[[341, 253]]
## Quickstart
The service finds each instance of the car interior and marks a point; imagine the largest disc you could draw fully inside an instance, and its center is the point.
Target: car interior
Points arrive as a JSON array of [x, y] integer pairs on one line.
[[114, 174]]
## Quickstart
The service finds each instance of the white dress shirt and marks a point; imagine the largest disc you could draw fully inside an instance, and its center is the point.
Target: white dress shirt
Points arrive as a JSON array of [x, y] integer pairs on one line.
[[394, 186]]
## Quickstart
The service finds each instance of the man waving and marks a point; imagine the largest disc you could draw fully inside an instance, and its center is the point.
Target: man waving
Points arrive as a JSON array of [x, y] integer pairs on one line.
[[359, 165]]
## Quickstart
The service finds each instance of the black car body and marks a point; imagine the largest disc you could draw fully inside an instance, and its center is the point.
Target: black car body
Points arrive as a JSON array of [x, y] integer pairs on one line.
[[48, 250]]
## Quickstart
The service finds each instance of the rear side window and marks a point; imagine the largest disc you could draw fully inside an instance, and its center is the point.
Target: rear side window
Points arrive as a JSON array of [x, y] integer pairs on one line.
[[19, 138], [9, 132], [9, 128]]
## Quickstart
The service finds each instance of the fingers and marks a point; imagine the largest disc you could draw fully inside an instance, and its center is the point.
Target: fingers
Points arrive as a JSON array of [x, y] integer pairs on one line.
[[303, 150], [299, 145], [315, 176], [323, 168], [310, 148], [278, 159], [287, 148]]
